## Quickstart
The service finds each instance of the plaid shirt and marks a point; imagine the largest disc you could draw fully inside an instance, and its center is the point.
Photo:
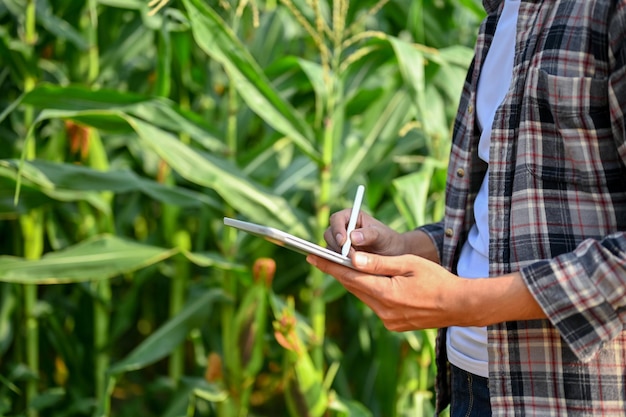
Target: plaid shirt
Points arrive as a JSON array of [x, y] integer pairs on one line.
[[557, 208]]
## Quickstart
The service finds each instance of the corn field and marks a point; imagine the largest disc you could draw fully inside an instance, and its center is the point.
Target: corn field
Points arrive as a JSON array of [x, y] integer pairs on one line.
[[130, 128]]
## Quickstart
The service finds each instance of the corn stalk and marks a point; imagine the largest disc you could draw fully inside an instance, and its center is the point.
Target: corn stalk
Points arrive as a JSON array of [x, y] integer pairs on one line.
[[32, 225]]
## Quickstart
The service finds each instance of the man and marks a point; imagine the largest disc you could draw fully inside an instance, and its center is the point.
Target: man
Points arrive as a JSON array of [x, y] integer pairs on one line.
[[533, 242]]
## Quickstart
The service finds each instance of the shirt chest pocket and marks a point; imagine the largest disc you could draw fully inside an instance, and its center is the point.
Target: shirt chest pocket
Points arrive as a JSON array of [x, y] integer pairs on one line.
[[565, 131]]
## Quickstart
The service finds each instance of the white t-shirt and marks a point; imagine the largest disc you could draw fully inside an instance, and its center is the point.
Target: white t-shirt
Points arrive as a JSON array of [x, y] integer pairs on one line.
[[467, 346]]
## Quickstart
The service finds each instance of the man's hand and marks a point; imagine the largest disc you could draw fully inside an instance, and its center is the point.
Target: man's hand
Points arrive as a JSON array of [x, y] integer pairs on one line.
[[408, 292], [373, 236]]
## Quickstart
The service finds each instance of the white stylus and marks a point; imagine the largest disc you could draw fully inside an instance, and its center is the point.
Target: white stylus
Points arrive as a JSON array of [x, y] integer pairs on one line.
[[354, 215]]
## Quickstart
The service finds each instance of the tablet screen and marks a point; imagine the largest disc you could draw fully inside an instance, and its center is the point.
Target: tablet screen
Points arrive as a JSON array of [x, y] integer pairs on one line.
[[278, 237]]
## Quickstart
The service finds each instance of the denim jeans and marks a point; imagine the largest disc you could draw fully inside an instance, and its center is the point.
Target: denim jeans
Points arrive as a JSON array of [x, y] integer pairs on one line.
[[470, 394]]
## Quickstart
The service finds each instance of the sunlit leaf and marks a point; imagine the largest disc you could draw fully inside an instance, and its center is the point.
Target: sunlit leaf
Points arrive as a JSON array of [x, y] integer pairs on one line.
[[50, 177], [99, 258], [198, 387], [347, 408], [214, 37], [251, 199], [103, 106]]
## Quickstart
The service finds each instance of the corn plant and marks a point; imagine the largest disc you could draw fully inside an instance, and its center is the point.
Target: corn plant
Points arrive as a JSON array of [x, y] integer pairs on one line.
[[129, 129]]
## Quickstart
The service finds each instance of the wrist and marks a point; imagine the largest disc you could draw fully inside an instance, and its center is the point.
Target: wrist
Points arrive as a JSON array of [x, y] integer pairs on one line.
[[468, 298], [486, 301], [417, 242]]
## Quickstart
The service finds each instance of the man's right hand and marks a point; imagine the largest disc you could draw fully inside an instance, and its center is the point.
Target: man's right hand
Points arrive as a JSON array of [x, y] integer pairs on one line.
[[369, 235], [373, 236]]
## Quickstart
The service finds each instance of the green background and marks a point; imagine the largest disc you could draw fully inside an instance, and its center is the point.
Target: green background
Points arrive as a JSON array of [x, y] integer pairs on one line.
[[129, 129]]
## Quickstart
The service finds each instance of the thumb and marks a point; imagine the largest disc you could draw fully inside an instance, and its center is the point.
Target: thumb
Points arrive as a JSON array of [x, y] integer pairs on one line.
[[370, 236], [388, 266]]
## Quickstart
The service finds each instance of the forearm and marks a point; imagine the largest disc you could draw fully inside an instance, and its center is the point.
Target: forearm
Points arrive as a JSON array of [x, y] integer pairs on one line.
[[484, 301], [487, 301]]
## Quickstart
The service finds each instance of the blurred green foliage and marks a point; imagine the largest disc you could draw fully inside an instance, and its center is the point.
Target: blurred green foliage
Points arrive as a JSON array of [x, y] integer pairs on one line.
[[129, 129]]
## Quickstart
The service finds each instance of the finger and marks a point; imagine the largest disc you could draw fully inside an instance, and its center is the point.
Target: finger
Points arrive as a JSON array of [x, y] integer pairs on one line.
[[361, 284], [331, 268], [388, 266], [366, 237], [338, 223], [331, 240]]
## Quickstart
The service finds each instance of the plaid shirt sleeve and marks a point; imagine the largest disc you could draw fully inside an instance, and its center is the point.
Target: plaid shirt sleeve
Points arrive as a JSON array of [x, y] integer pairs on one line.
[[587, 316], [436, 232], [584, 292]]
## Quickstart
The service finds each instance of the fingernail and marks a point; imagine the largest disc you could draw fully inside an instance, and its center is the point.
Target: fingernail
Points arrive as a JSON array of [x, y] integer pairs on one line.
[[357, 237], [310, 259], [339, 238], [360, 259]]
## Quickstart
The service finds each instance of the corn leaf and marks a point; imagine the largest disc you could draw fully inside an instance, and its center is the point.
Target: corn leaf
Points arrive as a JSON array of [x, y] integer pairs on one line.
[[153, 121], [159, 344], [95, 259], [98, 258], [58, 181], [253, 200], [214, 37]]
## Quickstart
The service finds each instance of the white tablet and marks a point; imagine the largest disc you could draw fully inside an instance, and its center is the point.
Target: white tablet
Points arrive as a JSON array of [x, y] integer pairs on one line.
[[278, 237]]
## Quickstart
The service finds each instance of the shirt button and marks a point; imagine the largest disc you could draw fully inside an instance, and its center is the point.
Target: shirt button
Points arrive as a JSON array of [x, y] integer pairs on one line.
[[470, 109], [460, 172], [449, 232]]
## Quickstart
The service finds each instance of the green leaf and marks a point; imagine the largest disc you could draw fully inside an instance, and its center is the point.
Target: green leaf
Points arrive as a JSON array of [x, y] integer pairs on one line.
[[30, 197], [100, 108], [305, 393], [154, 120], [98, 258], [250, 321], [95, 259], [51, 23], [163, 341], [124, 4], [211, 393], [8, 302], [48, 398], [256, 202], [349, 408], [411, 64], [251, 199], [218, 41], [198, 387], [58, 181], [411, 195], [59, 27], [383, 120], [212, 259]]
